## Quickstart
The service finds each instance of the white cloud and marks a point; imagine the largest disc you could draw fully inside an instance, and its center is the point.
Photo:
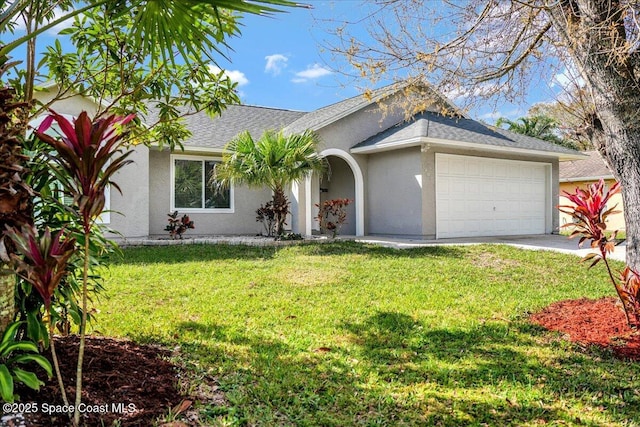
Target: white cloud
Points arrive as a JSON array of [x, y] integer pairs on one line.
[[275, 63], [491, 117], [459, 94], [312, 72], [236, 76], [568, 78]]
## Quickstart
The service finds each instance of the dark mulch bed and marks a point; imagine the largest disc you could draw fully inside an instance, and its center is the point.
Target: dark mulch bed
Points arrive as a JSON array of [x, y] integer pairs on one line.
[[115, 372], [592, 322]]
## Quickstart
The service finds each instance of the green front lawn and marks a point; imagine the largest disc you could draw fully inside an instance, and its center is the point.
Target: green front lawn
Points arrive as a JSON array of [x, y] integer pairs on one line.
[[343, 334]]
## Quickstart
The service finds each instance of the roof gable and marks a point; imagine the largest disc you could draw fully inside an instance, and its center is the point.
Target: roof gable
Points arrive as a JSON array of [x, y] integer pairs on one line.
[[325, 116]]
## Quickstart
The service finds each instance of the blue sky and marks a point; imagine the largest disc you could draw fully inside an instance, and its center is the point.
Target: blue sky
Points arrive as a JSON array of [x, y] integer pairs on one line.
[[281, 61]]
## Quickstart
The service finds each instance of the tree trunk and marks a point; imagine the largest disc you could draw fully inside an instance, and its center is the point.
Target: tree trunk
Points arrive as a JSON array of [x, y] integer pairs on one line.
[[621, 149], [594, 32], [15, 194], [7, 300], [280, 209]]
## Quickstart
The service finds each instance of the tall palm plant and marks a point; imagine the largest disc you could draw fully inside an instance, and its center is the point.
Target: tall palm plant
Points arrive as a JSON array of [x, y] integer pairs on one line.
[[178, 27], [275, 160], [537, 126]]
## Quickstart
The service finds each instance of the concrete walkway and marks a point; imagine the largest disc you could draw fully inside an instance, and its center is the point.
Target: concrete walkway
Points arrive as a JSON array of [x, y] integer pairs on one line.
[[547, 242]]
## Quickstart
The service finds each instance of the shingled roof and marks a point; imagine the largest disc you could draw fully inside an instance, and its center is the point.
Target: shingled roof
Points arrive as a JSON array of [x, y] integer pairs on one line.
[[215, 133], [427, 127], [588, 169], [434, 127]]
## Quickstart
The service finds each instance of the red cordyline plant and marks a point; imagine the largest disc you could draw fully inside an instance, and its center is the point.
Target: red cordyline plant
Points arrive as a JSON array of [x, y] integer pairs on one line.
[[177, 226], [590, 212], [42, 261], [333, 209], [88, 154]]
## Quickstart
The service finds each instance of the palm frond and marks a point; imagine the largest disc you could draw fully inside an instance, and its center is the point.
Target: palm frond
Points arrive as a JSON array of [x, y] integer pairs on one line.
[[191, 28], [274, 160]]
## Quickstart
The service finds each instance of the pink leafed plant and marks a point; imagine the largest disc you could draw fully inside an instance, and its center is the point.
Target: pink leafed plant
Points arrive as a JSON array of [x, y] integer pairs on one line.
[[42, 262], [590, 212], [88, 154], [334, 209]]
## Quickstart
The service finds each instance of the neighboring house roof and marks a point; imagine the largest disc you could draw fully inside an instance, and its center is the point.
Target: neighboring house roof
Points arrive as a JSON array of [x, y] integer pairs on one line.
[[324, 116], [430, 127], [589, 169]]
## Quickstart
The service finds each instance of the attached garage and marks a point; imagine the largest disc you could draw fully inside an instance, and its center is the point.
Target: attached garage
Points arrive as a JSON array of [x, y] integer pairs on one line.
[[477, 196]]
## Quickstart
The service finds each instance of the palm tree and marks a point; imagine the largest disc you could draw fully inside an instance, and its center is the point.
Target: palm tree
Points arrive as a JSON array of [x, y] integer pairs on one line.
[[539, 126], [535, 126], [179, 28], [275, 160]]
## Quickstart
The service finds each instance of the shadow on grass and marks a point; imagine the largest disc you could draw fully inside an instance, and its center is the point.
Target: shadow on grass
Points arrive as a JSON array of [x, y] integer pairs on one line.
[[215, 252], [377, 251], [191, 253], [395, 370]]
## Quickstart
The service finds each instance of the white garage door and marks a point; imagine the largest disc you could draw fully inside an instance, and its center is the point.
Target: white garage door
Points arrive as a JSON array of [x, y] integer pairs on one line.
[[489, 197]]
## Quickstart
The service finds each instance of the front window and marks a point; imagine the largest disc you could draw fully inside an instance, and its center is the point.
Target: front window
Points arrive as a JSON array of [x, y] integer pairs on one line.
[[191, 189]]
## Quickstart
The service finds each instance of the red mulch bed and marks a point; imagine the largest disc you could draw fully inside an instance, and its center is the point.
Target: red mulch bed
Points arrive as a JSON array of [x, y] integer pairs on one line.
[[115, 371], [592, 322]]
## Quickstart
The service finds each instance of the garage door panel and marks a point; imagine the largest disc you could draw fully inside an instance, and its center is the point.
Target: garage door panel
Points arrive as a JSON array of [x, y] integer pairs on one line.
[[485, 197]]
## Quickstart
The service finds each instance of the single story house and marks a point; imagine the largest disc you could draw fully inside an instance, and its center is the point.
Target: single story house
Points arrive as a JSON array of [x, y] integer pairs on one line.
[[584, 172], [432, 175]]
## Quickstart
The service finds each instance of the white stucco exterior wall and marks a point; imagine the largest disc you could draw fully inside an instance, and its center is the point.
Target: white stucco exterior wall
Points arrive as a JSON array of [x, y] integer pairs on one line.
[[72, 106], [394, 192], [241, 221], [130, 213]]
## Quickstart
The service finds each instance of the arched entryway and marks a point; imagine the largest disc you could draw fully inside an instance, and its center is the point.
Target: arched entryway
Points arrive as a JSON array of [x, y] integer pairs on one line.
[[345, 181]]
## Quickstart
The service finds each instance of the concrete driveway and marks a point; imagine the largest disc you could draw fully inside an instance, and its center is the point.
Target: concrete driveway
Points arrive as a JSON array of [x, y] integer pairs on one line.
[[546, 242]]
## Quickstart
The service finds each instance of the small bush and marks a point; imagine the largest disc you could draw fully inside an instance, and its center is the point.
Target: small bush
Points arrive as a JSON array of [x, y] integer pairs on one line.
[[178, 226], [589, 212], [290, 236], [332, 215], [13, 354], [267, 216]]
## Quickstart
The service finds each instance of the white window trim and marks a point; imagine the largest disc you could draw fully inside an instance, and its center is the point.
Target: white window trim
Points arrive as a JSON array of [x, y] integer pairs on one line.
[[172, 207]]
